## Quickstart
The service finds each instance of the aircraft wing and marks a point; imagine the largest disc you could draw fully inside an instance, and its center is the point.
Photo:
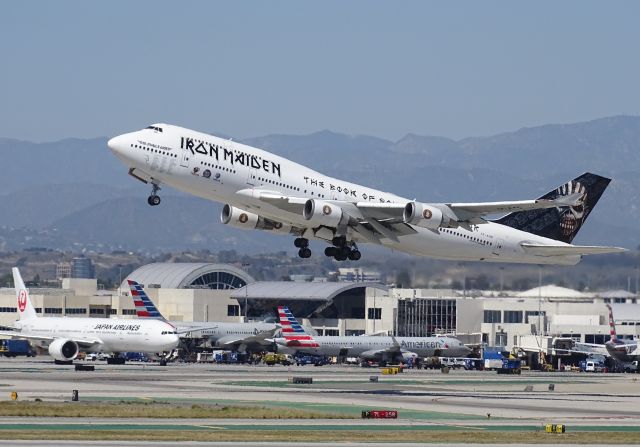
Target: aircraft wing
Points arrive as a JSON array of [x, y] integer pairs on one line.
[[289, 204], [567, 250], [85, 343], [261, 337], [467, 211]]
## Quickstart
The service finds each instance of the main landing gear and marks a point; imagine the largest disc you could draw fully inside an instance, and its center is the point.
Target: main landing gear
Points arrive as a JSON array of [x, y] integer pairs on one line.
[[154, 198], [303, 244], [343, 250]]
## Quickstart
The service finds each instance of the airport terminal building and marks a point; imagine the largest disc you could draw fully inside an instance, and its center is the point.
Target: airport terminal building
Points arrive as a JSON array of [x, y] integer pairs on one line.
[[222, 292]]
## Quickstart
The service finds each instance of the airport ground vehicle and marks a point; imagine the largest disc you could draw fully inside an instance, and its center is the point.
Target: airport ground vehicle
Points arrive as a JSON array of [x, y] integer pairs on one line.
[[591, 365], [452, 362], [510, 366], [316, 360], [93, 356], [272, 358], [14, 348]]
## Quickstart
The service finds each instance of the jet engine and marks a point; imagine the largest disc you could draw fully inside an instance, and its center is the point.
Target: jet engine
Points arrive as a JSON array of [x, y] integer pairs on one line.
[[63, 349], [239, 218], [426, 216], [321, 212]]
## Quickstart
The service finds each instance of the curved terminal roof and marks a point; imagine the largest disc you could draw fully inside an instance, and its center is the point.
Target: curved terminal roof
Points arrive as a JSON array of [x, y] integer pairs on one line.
[[299, 290], [189, 275], [553, 291]]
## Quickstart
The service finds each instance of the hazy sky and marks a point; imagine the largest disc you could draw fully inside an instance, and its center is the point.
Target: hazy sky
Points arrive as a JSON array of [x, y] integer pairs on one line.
[[456, 69]]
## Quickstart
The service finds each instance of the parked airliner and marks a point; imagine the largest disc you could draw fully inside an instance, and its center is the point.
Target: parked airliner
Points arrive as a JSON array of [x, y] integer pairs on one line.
[[241, 337], [66, 336], [622, 351], [377, 348], [263, 191]]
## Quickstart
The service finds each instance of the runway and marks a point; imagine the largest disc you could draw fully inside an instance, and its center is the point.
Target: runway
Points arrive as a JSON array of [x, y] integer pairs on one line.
[[426, 400]]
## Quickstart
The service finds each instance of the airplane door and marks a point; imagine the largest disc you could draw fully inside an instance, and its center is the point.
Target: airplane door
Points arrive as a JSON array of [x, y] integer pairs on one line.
[[253, 174], [184, 158], [498, 247], [342, 355]]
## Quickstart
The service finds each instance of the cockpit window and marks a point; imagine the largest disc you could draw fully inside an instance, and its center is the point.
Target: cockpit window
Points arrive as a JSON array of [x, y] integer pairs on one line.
[[157, 129]]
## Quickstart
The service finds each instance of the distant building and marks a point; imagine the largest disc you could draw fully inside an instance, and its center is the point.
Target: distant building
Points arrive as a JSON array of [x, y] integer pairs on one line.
[[63, 270], [358, 275], [82, 268]]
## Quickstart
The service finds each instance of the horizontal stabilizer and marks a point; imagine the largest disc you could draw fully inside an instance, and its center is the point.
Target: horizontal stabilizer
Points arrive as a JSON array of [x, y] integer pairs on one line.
[[568, 250]]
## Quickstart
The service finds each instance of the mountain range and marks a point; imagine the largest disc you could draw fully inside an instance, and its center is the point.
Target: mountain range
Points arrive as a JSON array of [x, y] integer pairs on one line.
[[74, 194]]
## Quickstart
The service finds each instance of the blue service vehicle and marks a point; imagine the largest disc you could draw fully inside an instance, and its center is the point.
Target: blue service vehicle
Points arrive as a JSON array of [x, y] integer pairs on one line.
[[14, 348], [308, 359], [510, 366]]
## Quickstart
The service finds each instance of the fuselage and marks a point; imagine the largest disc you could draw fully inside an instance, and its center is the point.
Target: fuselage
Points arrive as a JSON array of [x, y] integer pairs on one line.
[[229, 172], [622, 350], [111, 335], [358, 345], [224, 334]]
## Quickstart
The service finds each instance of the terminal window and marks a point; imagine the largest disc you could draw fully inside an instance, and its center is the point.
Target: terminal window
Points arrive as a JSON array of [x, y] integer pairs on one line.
[[374, 313], [53, 310], [492, 316], [513, 316], [233, 310]]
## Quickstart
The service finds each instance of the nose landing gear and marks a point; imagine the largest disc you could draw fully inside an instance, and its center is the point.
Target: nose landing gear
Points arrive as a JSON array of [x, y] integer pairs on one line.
[[154, 198]]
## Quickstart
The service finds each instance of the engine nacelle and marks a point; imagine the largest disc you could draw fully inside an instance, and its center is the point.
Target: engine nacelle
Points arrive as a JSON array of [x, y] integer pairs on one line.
[[63, 349], [426, 216], [239, 218], [320, 212]]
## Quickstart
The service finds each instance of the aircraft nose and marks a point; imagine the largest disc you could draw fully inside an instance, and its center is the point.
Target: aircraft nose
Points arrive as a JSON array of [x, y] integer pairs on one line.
[[116, 144]]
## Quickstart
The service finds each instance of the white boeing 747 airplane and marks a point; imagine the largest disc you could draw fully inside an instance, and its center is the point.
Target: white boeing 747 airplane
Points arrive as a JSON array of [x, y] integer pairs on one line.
[[66, 336], [263, 191]]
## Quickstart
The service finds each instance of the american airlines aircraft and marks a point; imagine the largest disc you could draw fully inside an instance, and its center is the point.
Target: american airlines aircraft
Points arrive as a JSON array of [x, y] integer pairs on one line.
[[263, 191], [623, 351], [377, 348], [241, 337], [65, 337]]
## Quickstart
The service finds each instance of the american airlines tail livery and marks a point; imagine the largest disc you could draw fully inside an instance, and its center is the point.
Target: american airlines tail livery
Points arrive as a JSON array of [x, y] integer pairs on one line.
[[65, 337], [266, 192]]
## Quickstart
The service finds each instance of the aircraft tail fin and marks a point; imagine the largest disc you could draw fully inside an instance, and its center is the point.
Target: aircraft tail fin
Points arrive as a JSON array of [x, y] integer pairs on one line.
[[144, 306], [293, 332], [612, 325], [26, 310], [561, 223], [289, 323]]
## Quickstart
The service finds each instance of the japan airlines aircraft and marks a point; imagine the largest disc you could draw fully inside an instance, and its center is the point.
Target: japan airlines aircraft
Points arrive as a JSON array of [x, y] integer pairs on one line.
[[377, 348], [65, 337], [263, 191], [241, 337]]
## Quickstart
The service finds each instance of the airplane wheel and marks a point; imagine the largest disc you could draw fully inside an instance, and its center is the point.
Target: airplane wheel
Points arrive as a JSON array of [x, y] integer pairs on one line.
[[153, 200], [304, 252], [339, 241], [355, 255], [340, 256], [301, 242], [330, 252]]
